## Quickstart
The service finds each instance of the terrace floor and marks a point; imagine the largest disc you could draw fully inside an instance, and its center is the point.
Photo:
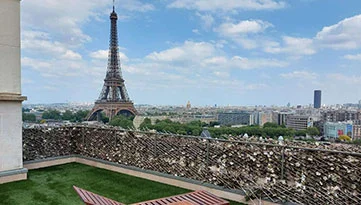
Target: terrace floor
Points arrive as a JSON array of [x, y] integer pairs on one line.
[[53, 185]]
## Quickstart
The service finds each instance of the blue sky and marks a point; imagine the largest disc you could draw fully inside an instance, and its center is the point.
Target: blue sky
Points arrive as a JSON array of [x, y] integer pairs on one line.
[[224, 52]]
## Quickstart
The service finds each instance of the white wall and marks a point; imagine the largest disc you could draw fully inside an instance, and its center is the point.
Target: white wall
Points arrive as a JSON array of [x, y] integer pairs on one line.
[[10, 46], [10, 83], [11, 151]]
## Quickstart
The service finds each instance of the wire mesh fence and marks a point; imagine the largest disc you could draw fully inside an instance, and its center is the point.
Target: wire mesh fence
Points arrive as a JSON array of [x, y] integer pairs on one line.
[[278, 173]]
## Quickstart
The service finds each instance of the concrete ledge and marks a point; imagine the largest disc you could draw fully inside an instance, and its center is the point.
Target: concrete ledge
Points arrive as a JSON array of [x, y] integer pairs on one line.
[[37, 164], [12, 97], [13, 175]]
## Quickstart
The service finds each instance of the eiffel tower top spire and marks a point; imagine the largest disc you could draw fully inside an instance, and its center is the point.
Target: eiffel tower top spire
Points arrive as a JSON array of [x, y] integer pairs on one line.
[[114, 88]]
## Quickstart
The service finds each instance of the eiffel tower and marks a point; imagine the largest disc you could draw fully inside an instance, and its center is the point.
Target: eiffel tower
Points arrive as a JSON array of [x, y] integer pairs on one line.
[[113, 99]]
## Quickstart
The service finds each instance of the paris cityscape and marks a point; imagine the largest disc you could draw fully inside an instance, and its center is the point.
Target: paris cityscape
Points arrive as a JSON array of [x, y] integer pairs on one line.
[[180, 102]]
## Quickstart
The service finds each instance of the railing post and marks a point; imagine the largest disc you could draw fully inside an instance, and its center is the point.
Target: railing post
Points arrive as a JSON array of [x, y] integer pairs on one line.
[[207, 153], [83, 135], [283, 163], [115, 136], [155, 146]]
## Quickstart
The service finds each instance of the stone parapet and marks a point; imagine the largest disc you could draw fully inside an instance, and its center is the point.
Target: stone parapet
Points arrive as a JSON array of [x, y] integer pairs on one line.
[[12, 97], [13, 175]]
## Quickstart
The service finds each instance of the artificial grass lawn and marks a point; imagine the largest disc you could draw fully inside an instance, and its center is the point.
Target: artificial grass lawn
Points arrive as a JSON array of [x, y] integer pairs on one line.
[[53, 185]]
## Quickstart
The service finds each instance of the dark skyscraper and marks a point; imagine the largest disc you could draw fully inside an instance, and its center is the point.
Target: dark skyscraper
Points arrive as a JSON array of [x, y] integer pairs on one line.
[[317, 99]]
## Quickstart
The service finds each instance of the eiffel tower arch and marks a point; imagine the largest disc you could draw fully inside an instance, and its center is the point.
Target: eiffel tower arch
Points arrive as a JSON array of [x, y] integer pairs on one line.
[[113, 99]]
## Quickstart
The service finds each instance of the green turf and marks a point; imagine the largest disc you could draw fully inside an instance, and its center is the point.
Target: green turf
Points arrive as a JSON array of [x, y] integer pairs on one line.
[[53, 185]]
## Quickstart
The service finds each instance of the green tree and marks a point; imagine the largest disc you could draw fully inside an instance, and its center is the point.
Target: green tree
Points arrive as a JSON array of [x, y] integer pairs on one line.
[[122, 121], [51, 114], [67, 115], [104, 118], [270, 124], [80, 115], [213, 123], [300, 133], [313, 131], [147, 123], [28, 117], [196, 123]]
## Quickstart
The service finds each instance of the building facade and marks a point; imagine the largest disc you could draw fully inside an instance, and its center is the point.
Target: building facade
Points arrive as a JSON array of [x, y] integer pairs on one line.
[[336, 129], [317, 99], [356, 131], [260, 118], [299, 122], [235, 118], [282, 118], [340, 115]]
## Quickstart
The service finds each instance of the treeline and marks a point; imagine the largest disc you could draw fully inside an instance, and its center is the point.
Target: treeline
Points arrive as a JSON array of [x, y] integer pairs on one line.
[[191, 128], [196, 127], [122, 121], [78, 116], [29, 117]]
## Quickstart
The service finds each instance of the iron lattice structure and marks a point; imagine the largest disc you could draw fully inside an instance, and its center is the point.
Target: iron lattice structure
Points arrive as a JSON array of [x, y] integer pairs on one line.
[[114, 98]]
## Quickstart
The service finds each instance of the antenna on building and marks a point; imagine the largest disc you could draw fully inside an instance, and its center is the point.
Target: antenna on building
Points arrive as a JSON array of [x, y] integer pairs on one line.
[[113, 5]]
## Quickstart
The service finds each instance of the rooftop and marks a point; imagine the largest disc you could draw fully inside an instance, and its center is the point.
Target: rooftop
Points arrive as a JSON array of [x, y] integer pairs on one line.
[[53, 185]]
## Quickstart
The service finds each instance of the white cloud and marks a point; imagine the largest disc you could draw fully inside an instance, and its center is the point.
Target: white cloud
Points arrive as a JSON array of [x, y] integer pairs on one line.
[[99, 54], [292, 46], [245, 33], [216, 5], [343, 35], [338, 78], [66, 18], [258, 86], [221, 74], [71, 55], [196, 31], [195, 65], [243, 63], [135, 5], [207, 56], [62, 68], [188, 52], [207, 20], [243, 27], [353, 57], [103, 54], [304, 75], [246, 63], [215, 61], [26, 81], [38, 65], [37, 42]]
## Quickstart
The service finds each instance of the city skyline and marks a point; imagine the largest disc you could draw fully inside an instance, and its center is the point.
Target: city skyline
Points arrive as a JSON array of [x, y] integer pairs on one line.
[[250, 52]]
